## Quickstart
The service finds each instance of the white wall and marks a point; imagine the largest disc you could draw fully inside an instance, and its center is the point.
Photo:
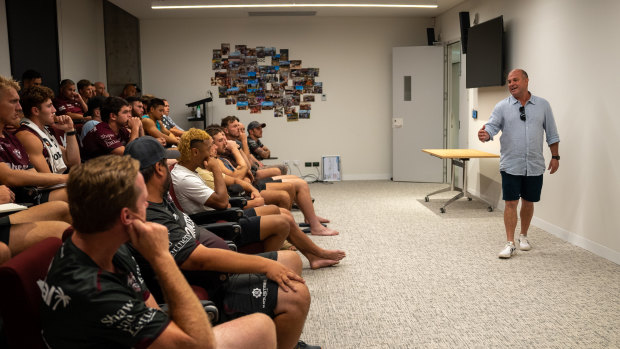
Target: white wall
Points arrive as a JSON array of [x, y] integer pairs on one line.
[[5, 59], [569, 50], [354, 58], [81, 40]]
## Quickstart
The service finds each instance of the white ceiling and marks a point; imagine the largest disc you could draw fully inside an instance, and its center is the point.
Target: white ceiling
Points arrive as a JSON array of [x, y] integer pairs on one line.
[[142, 8]]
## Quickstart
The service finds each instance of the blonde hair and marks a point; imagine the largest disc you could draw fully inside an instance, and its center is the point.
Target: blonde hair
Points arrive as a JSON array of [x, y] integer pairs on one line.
[[185, 144], [8, 83], [99, 189]]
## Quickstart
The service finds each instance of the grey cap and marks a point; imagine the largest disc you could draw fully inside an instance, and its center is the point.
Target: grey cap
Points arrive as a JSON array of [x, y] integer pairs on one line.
[[255, 124], [149, 151]]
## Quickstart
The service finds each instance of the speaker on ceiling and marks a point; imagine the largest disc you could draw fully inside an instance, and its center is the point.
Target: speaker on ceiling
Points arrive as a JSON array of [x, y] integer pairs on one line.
[[430, 36], [464, 20]]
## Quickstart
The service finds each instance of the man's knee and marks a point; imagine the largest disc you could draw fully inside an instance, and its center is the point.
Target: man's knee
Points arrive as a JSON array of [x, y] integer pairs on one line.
[[251, 331], [5, 253], [291, 260], [298, 301], [512, 204]]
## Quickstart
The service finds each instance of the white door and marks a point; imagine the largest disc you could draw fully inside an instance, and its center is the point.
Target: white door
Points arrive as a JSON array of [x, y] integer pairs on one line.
[[418, 117]]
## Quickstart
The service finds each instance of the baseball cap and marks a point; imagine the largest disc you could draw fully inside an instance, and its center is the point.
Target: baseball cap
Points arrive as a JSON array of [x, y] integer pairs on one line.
[[149, 151], [255, 124]]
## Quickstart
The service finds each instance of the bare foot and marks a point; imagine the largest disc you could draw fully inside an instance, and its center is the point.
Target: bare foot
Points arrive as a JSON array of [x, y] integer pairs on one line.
[[333, 254], [321, 219], [288, 246], [322, 231], [322, 263]]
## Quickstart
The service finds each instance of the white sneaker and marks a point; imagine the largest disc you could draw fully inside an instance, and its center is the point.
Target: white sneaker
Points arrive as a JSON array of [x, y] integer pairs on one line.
[[509, 250], [524, 245]]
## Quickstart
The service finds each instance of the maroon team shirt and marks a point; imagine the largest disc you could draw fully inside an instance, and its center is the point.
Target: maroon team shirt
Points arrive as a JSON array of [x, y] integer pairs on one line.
[[64, 106], [12, 152], [101, 140]]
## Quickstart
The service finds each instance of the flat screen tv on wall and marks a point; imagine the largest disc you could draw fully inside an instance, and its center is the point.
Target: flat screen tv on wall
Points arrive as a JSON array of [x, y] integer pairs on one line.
[[485, 54]]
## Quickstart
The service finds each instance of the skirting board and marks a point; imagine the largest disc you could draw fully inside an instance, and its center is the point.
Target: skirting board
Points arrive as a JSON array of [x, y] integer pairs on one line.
[[568, 236], [366, 177]]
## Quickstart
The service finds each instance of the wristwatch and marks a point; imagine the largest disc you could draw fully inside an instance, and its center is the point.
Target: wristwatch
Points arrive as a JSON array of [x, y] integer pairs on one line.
[[557, 157]]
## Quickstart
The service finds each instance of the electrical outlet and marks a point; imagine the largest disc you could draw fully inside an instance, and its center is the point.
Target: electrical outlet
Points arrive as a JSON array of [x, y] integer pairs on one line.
[[308, 164], [315, 164], [296, 162]]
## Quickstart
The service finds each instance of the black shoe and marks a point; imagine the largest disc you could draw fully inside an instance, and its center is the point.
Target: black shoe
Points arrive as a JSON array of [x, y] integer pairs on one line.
[[303, 345]]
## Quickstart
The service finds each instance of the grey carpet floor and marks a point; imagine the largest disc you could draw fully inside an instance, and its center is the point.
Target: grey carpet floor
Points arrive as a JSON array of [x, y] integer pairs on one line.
[[416, 278]]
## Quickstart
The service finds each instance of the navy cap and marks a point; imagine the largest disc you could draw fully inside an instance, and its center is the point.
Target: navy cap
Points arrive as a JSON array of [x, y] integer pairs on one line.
[[149, 151]]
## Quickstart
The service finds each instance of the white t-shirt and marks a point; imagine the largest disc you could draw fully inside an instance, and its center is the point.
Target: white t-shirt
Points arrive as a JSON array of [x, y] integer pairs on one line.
[[190, 190]]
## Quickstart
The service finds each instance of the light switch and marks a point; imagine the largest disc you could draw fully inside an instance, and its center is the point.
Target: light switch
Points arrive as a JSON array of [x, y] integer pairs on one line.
[[397, 122]]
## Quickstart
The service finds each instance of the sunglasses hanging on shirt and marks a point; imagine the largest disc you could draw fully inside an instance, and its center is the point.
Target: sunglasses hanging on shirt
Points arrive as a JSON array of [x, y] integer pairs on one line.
[[522, 111]]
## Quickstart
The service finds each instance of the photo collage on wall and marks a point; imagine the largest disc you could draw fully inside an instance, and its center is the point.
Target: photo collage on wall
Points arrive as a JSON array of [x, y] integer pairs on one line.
[[261, 80]]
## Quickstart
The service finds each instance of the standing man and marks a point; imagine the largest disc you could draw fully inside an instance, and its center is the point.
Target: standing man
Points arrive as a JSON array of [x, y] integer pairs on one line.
[[522, 118], [94, 294]]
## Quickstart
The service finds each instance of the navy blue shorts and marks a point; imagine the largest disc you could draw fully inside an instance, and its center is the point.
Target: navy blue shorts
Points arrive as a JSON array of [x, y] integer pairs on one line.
[[250, 231], [250, 293], [526, 187]]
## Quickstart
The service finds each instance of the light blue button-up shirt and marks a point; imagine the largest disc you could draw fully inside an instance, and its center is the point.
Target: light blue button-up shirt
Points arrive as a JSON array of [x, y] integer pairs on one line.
[[522, 141]]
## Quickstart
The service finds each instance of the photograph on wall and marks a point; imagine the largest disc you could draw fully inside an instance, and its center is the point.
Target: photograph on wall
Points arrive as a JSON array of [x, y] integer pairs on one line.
[[241, 49], [284, 54], [318, 87], [225, 49], [259, 78], [291, 114], [278, 112], [255, 108], [242, 105], [267, 105]]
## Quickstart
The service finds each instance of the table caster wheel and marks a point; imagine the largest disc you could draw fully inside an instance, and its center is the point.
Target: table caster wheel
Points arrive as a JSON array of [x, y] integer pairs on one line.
[[468, 199], [442, 210], [490, 209], [426, 199]]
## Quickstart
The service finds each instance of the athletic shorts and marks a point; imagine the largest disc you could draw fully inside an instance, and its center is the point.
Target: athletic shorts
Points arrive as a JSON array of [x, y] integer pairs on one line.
[[249, 212], [5, 228], [250, 231], [31, 195], [261, 184], [526, 187], [246, 294]]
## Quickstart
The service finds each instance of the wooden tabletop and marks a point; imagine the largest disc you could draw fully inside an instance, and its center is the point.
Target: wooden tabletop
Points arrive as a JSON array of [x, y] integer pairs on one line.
[[459, 153]]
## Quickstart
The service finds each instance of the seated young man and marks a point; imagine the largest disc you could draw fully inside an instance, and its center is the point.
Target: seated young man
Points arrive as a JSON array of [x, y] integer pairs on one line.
[[235, 131], [297, 187], [196, 149], [194, 196], [116, 129], [16, 172], [94, 294], [153, 125], [94, 111], [45, 154], [273, 288], [69, 102], [169, 123], [22, 229]]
